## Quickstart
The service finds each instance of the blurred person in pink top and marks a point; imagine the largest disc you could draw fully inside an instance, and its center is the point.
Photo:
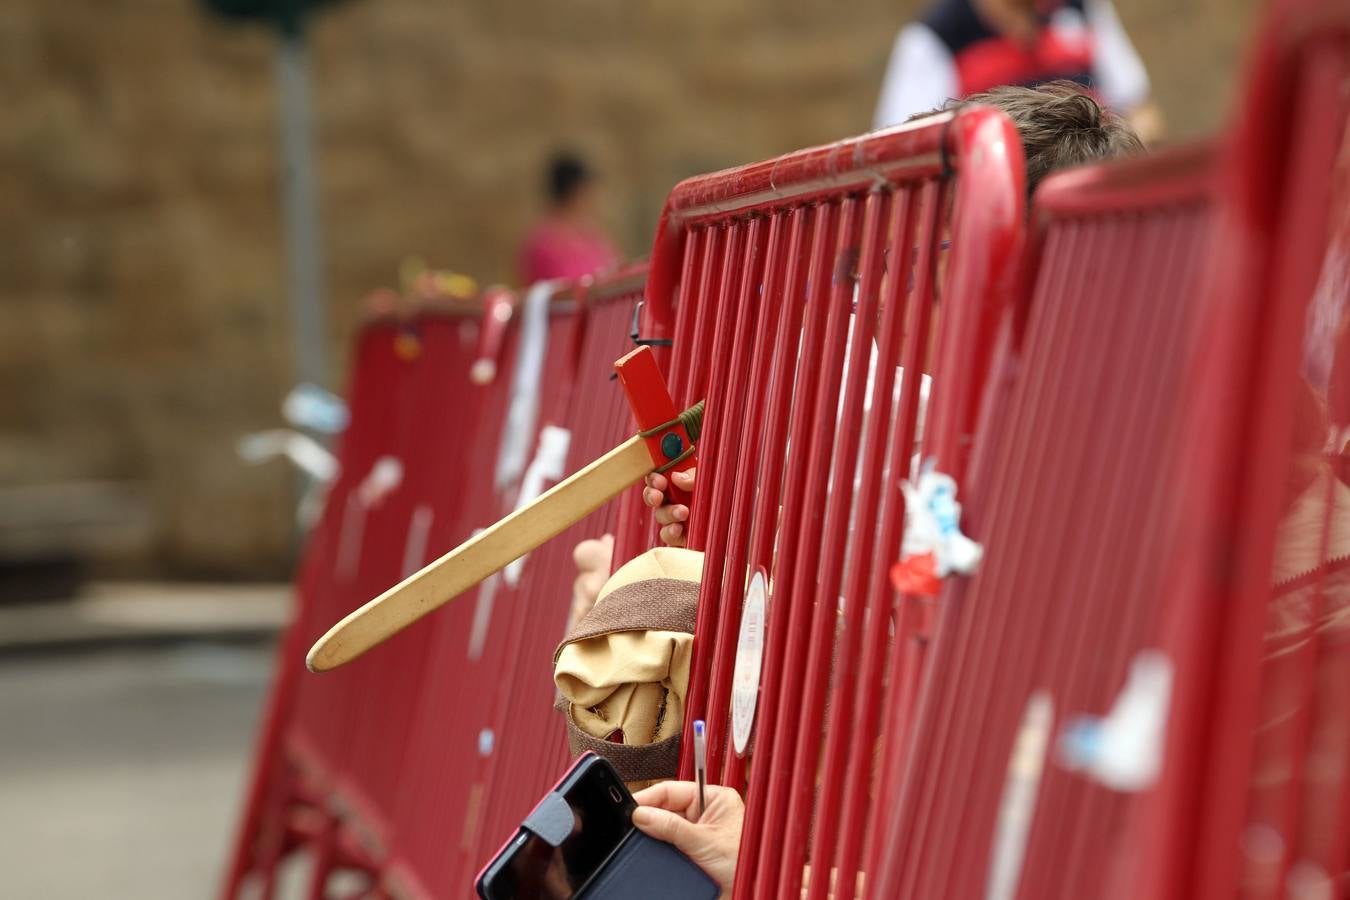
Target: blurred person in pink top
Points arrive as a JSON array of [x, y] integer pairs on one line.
[[567, 242]]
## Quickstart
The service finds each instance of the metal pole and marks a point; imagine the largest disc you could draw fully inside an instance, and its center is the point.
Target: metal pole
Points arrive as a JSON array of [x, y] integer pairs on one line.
[[301, 209]]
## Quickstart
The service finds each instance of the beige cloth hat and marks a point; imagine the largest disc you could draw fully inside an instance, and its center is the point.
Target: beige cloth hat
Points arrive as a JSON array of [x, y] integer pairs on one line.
[[623, 671]]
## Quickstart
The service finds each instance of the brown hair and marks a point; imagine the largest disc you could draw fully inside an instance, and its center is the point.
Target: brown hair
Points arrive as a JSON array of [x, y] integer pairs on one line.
[[1061, 125]]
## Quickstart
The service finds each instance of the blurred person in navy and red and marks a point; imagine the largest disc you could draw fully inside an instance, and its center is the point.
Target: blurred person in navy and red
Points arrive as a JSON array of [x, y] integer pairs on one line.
[[963, 47], [568, 241]]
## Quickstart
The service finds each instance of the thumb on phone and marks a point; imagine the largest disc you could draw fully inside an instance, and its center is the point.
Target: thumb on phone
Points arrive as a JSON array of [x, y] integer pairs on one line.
[[670, 827]]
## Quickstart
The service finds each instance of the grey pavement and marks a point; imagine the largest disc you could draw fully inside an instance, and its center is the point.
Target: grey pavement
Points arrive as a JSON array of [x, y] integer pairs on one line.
[[122, 766]]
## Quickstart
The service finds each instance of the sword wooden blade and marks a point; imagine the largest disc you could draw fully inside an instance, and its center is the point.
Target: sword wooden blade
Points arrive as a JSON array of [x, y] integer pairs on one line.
[[489, 551]]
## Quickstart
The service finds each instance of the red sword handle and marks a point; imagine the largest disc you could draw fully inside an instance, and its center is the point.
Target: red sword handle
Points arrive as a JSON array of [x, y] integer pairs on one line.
[[658, 420]]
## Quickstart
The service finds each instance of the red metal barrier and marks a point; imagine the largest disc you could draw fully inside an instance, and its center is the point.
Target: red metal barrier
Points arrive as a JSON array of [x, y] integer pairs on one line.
[[380, 692], [1141, 493], [529, 748], [297, 756], [328, 765], [785, 273], [485, 741], [1069, 494], [1271, 761], [1116, 406]]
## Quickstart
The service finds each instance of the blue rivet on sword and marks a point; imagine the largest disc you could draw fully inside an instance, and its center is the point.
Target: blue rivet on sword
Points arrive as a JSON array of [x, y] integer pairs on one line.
[[672, 445]]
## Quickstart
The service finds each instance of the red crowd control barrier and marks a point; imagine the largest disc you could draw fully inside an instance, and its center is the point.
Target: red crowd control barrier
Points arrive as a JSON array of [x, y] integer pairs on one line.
[[1069, 495], [487, 742], [297, 758], [806, 286], [1142, 391], [381, 768], [307, 769], [1141, 693], [1265, 771], [529, 749], [449, 473]]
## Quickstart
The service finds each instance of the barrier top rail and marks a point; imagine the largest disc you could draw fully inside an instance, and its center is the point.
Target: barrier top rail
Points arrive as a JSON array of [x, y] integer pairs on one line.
[[628, 279], [926, 148], [977, 144], [1184, 174]]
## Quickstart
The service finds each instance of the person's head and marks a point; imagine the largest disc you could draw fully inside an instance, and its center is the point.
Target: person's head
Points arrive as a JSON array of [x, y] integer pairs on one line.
[[1061, 125], [569, 180]]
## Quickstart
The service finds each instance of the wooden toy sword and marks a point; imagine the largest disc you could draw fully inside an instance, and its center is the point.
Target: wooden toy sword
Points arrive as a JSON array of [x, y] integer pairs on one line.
[[664, 442]]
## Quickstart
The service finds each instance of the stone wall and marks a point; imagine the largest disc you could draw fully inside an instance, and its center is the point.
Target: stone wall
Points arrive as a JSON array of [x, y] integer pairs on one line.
[[140, 264]]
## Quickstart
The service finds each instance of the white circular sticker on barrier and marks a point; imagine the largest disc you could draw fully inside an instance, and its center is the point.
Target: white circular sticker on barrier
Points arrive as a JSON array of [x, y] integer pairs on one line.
[[749, 657]]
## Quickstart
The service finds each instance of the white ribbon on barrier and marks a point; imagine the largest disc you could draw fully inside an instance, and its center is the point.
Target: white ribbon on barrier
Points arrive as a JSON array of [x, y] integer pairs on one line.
[[1123, 750], [549, 460], [522, 410]]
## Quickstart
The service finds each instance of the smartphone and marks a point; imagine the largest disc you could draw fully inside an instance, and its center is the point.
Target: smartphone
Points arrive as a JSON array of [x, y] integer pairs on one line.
[[528, 866]]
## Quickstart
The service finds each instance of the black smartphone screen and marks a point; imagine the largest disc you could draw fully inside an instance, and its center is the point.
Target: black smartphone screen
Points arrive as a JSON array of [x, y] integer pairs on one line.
[[602, 813]]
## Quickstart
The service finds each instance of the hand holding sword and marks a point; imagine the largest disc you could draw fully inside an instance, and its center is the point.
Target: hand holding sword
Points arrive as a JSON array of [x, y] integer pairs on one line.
[[664, 443]]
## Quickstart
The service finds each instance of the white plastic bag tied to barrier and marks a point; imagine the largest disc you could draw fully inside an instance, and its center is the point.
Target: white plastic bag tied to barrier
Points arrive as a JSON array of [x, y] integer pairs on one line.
[[1123, 750], [1017, 807], [384, 477], [933, 546], [549, 460], [482, 613], [415, 544], [523, 407]]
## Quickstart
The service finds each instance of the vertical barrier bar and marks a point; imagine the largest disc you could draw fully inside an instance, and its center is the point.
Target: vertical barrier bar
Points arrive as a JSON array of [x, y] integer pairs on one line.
[[863, 786], [715, 280], [723, 352], [808, 537], [931, 202], [781, 301], [827, 229], [732, 469], [852, 737], [688, 335], [842, 464]]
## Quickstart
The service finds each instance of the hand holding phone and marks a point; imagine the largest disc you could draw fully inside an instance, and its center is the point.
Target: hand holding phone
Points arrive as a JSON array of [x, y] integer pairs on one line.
[[580, 842], [710, 836]]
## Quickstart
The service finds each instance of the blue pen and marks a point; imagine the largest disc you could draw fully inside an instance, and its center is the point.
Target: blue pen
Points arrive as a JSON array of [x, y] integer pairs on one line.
[[700, 762]]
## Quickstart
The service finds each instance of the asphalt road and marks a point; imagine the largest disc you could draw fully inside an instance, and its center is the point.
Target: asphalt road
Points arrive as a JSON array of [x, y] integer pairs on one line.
[[121, 770]]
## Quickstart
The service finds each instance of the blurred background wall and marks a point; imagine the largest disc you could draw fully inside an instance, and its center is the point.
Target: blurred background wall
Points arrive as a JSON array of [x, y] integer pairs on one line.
[[141, 265]]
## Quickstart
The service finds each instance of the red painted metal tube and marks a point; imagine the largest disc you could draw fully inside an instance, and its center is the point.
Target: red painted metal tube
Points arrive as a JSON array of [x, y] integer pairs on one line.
[[731, 265], [861, 569], [837, 529], [738, 466], [761, 443], [809, 536], [776, 631], [846, 167]]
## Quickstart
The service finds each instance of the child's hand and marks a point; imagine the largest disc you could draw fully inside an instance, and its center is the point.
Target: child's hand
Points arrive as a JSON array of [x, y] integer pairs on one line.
[[670, 516], [593, 558]]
